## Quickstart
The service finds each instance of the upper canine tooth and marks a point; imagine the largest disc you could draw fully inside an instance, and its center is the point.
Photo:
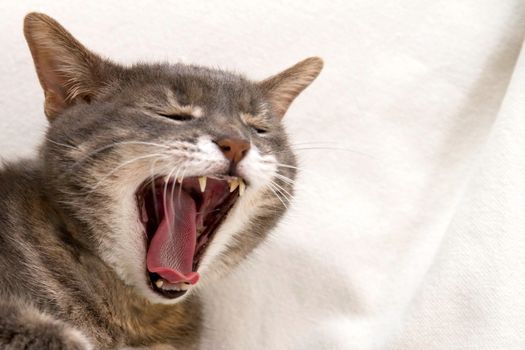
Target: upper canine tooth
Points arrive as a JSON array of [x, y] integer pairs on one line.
[[179, 180], [242, 187], [202, 183], [233, 184]]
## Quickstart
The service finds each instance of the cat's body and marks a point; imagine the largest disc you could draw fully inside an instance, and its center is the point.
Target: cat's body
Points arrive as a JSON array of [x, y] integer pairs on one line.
[[84, 263]]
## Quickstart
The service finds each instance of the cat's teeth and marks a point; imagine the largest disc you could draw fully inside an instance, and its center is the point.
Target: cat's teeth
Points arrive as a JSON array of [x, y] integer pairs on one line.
[[179, 180], [177, 286], [184, 286], [159, 283], [242, 187], [202, 183], [233, 184]]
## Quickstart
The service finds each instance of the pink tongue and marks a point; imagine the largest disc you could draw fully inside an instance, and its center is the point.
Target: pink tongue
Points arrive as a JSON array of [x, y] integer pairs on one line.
[[172, 248]]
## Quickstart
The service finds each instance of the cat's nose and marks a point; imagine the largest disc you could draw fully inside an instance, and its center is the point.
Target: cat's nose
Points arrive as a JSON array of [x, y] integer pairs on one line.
[[234, 149]]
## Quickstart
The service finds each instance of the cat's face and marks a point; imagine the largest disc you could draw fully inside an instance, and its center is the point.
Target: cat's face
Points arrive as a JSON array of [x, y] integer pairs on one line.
[[175, 172], [125, 152]]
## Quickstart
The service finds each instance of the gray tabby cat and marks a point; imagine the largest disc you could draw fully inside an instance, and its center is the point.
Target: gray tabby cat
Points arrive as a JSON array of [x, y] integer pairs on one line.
[[153, 180]]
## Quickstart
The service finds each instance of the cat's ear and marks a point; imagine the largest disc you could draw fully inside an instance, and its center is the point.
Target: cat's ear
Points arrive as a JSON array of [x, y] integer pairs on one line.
[[66, 69], [281, 89]]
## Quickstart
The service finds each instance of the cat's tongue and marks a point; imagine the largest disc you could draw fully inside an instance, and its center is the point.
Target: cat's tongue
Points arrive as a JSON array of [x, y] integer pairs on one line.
[[172, 247]]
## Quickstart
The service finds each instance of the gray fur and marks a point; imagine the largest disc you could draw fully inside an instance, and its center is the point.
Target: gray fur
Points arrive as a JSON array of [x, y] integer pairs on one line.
[[60, 287]]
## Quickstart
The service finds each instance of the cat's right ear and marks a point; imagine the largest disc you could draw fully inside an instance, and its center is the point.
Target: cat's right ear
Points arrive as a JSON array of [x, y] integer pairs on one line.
[[281, 89], [66, 69]]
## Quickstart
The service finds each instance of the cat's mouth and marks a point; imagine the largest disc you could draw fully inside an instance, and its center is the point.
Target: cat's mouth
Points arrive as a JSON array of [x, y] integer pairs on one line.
[[180, 218]]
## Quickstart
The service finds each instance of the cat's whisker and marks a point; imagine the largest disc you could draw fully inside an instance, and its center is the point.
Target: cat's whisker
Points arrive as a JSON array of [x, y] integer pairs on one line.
[[285, 178], [114, 170], [282, 165], [154, 194], [289, 196], [180, 187], [324, 148], [173, 184], [289, 166], [273, 184], [175, 180], [103, 148], [314, 143], [271, 188], [165, 195], [61, 144]]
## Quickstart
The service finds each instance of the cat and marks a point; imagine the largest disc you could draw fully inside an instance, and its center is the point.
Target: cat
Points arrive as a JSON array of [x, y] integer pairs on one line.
[[152, 181]]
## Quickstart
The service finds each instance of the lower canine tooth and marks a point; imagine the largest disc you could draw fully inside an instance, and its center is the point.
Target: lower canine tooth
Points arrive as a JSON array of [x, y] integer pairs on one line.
[[202, 183], [159, 283], [184, 286], [242, 187]]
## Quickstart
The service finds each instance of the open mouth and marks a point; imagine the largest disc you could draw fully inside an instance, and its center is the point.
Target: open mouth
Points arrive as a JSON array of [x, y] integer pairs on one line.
[[180, 218]]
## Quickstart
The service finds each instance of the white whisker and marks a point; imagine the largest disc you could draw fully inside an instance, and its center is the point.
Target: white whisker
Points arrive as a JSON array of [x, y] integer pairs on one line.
[[180, 187], [285, 178], [103, 148], [119, 167], [164, 197], [154, 193], [173, 188], [271, 188], [61, 144], [282, 165], [290, 196], [283, 192]]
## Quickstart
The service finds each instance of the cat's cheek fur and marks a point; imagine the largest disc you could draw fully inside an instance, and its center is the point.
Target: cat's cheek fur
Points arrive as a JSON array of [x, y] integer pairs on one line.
[[258, 171], [127, 257]]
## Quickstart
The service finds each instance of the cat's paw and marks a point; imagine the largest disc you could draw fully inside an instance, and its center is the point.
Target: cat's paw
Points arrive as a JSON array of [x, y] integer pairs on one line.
[[26, 328], [48, 337]]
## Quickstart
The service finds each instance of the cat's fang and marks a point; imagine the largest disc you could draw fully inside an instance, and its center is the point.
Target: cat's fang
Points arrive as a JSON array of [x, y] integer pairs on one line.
[[242, 187], [159, 283], [233, 184], [202, 183]]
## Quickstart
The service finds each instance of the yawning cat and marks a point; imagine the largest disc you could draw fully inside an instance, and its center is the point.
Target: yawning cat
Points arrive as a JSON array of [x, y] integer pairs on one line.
[[152, 180]]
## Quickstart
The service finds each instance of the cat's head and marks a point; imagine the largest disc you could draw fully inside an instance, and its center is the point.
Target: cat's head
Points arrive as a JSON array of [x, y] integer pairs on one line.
[[172, 173]]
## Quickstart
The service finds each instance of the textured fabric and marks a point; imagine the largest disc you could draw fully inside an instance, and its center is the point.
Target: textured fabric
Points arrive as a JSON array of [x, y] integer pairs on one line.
[[407, 230]]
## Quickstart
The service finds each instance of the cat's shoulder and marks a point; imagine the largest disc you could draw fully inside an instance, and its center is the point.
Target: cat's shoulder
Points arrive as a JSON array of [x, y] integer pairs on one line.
[[20, 175], [21, 186]]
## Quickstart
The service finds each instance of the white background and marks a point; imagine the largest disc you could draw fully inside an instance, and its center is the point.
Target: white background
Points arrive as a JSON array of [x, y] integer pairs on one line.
[[407, 229]]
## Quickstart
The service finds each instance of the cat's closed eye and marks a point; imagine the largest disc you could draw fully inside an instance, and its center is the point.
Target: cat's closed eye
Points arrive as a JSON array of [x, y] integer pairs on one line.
[[259, 130], [258, 124], [177, 116]]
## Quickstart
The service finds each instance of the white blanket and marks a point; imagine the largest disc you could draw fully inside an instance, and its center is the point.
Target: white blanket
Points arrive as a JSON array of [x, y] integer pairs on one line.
[[407, 230], [413, 236]]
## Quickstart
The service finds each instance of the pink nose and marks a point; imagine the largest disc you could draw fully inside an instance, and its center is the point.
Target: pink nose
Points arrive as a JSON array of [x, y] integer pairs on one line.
[[233, 149]]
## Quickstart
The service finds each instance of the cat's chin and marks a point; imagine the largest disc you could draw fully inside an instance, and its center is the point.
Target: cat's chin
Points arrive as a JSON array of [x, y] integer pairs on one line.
[[181, 218]]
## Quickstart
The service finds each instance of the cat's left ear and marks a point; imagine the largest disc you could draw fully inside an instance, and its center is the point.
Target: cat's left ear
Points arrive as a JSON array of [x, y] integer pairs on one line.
[[68, 72], [281, 89]]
